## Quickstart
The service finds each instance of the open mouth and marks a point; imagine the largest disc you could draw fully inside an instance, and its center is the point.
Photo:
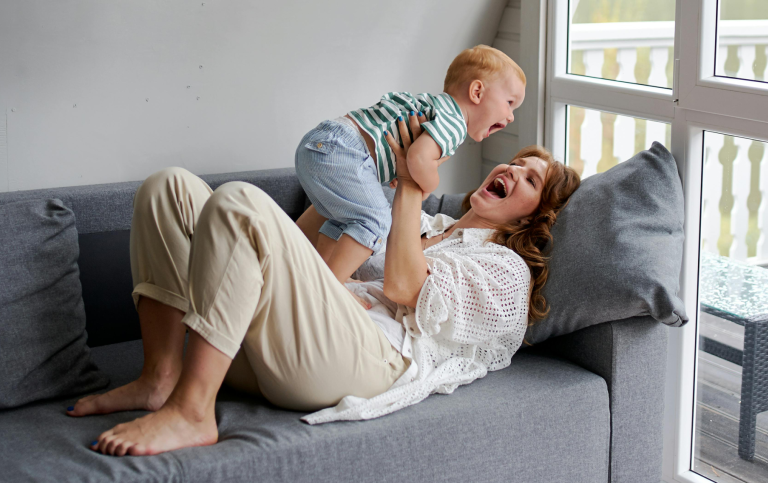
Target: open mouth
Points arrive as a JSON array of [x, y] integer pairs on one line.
[[497, 188], [496, 126]]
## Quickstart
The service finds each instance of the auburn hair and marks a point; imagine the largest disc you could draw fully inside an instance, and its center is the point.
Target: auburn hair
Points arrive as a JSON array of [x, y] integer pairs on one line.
[[479, 62], [532, 239]]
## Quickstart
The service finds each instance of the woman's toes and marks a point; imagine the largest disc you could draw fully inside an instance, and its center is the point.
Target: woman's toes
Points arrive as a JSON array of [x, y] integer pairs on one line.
[[112, 445], [122, 448], [137, 450], [79, 408]]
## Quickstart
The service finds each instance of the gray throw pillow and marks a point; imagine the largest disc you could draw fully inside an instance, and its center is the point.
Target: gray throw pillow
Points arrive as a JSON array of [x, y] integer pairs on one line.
[[618, 248], [43, 352]]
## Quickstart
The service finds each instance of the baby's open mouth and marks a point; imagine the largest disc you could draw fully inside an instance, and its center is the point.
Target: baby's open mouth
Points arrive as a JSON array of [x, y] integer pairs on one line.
[[497, 188], [498, 125]]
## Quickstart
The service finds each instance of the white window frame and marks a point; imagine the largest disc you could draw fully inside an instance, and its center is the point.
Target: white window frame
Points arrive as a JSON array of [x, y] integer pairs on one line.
[[698, 102]]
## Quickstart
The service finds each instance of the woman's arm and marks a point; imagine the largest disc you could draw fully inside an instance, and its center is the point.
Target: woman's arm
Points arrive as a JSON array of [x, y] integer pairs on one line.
[[405, 267]]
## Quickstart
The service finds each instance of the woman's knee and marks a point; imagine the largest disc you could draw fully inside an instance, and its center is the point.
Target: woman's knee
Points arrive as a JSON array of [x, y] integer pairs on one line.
[[238, 195], [162, 183]]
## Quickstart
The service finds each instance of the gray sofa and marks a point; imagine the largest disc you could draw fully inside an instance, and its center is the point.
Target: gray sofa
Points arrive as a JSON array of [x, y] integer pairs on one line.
[[585, 407]]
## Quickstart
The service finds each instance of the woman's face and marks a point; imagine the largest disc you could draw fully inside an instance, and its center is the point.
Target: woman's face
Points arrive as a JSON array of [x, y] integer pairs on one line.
[[511, 192]]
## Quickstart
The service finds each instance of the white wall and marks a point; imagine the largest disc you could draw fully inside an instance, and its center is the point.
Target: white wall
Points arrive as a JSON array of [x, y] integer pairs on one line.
[[96, 92]]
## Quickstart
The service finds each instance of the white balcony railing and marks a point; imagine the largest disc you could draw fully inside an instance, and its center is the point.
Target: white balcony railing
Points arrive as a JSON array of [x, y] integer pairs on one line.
[[735, 191]]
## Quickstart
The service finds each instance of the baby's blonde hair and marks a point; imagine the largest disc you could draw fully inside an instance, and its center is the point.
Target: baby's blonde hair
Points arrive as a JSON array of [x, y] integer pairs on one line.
[[479, 62]]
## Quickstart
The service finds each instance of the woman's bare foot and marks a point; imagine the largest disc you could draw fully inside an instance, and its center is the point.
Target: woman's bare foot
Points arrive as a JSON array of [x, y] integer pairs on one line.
[[147, 393], [172, 427]]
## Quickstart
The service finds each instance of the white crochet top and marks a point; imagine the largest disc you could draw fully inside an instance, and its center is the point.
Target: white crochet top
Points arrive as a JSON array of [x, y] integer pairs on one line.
[[470, 318]]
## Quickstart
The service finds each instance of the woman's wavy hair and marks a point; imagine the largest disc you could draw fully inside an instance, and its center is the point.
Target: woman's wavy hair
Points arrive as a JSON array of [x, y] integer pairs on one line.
[[532, 239]]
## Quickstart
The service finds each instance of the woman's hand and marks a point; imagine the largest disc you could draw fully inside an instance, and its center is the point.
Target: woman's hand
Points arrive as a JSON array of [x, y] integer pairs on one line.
[[401, 153]]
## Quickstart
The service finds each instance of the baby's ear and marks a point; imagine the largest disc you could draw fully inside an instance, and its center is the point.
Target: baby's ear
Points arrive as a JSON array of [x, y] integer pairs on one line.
[[476, 91]]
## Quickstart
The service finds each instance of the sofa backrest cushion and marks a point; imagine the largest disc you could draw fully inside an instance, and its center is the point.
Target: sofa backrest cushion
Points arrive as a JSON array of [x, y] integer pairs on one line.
[[618, 248], [43, 351]]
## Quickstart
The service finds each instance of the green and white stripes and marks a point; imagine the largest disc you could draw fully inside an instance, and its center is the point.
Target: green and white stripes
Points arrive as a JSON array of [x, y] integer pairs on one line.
[[445, 124]]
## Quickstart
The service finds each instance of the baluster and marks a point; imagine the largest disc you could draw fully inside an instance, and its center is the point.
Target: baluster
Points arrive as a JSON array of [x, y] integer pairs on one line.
[[575, 122], [741, 189], [726, 156], [762, 243], [746, 54], [761, 59], [670, 71], [731, 65], [591, 141], [659, 56], [576, 118], [624, 138], [656, 131], [642, 73], [627, 58], [755, 153], [593, 62], [711, 190], [609, 71], [722, 54], [591, 134]]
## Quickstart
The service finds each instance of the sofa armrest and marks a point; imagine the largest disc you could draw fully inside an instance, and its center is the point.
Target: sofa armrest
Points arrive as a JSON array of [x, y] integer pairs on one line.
[[631, 356]]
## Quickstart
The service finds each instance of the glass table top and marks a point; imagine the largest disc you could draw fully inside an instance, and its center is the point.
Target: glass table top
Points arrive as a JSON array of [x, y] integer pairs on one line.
[[733, 288]]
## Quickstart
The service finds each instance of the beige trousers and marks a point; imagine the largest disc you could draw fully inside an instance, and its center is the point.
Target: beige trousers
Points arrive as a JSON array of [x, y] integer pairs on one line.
[[255, 288]]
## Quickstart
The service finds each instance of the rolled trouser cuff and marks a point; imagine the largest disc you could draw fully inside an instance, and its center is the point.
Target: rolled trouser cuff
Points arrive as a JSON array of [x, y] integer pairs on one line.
[[206, 331], [145, 289]]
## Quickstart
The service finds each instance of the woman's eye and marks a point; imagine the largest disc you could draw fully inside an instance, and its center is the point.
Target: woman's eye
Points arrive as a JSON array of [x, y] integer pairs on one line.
[[532, 182]]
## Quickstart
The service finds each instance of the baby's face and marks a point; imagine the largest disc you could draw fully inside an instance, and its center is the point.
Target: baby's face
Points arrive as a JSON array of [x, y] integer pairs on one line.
[[495, 108]]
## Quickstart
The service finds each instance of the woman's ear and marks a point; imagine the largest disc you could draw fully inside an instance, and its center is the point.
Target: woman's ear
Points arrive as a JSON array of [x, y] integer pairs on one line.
[[476, 91]]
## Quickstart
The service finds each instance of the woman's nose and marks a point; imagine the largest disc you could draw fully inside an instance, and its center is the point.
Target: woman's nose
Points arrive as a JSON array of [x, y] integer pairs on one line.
[[513, 171]]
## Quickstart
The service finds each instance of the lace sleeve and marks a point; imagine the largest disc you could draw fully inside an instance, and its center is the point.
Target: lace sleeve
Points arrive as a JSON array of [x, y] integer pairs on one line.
[[475, 299], [435, 225]]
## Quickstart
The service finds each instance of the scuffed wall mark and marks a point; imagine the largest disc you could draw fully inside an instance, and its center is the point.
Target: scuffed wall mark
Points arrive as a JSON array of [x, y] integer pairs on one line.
[[5, 179]]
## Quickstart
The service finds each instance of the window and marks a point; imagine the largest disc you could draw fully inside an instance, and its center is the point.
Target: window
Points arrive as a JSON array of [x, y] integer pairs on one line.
[[692, 75]]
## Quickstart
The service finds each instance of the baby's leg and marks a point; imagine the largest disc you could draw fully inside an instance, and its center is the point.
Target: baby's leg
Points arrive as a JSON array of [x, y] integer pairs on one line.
[[309, 223], [341, 179], [344, 255]]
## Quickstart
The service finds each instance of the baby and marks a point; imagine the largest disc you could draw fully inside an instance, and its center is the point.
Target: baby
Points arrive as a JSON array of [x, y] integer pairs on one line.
[[343, 162]]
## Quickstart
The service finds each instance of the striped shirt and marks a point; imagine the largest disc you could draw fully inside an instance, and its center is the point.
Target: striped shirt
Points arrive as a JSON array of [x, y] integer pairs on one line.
[[445, 124]]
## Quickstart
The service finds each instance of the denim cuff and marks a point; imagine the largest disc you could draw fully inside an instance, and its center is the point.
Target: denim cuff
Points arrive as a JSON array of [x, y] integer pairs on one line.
[[332, 230], [365, 237]]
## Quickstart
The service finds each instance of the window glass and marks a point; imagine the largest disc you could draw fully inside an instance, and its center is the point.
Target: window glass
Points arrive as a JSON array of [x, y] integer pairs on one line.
[[597, 141], [623, 40], [742, 39], [731, 426]]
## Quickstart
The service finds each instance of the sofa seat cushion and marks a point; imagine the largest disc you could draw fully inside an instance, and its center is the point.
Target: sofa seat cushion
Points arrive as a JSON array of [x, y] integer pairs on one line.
[[540, 420]]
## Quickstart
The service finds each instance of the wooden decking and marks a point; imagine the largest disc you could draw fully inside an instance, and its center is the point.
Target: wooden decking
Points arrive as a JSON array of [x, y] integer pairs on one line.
[[717, 413]]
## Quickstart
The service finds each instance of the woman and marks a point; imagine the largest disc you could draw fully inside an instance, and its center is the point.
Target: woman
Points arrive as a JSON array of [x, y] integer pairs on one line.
[[268, 316]]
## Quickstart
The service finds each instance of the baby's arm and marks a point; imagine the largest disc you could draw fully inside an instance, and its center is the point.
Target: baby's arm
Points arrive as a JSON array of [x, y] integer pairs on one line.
[[423, 158]]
